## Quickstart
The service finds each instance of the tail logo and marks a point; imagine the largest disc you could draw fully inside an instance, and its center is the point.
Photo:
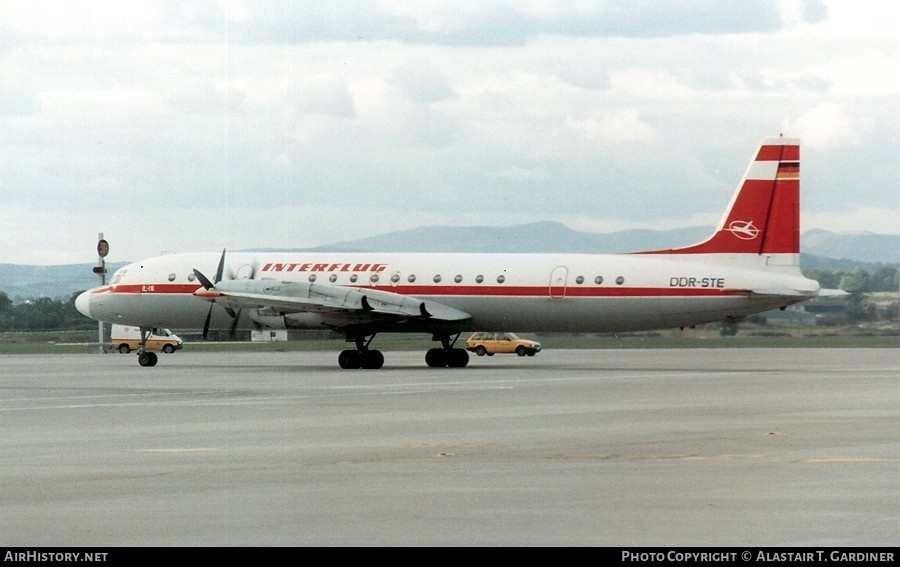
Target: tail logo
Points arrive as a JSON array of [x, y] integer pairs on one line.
[[745, 230]]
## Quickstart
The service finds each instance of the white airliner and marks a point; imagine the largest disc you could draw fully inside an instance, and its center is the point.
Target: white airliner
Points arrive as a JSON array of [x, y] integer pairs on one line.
[[750, 264]]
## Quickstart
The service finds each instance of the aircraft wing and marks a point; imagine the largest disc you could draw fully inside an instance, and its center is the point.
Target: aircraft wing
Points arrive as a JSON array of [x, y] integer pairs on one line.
[[296, 297]]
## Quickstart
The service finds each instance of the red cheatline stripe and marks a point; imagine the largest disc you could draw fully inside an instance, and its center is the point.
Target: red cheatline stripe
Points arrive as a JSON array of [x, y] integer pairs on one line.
[[468, 290], [150, 288]]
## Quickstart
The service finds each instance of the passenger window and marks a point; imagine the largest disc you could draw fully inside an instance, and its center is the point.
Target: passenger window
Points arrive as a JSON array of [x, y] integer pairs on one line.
[[411, 278], [437, 278], [458, 278], [332, 278], [579, 280], [598, 280], [501, 279], [479, 278], [312, 277], [620, 280], [353, 278], [395, 278], [171, 277], [373, 278]]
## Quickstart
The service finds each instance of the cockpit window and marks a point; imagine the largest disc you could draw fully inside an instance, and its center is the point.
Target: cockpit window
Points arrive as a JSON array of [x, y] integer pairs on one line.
[[117, 277]]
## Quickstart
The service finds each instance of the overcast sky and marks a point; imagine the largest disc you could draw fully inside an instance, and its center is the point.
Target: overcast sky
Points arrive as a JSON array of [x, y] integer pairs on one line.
[[186, 126]]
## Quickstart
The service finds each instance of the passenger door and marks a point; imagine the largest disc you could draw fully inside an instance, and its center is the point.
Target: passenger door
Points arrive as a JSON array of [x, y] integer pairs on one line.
[[558, 278]]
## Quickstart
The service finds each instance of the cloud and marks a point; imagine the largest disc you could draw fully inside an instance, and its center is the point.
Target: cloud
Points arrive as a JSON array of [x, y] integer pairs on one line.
[[472, 22], [830, 125], [18, 100], [519, 173], [327, 95], [236, 116], [204, 97], [421, 83], [445, 22], [622, 126]]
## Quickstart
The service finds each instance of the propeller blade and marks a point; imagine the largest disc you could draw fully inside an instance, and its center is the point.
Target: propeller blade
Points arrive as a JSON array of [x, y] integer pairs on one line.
[[235, 316], [206, 325], [204, 281], [220, 271]]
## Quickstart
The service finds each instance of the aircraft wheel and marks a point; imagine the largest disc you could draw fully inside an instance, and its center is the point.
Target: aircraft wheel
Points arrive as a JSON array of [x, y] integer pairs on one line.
[[457, 358], [349, 359], [147, 359], [480, 351], [124, 349], [372, 359], [436, 358]]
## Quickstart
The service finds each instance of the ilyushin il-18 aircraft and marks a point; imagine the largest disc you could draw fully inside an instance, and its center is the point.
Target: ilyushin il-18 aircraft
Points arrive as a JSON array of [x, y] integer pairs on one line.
[[749, 264]]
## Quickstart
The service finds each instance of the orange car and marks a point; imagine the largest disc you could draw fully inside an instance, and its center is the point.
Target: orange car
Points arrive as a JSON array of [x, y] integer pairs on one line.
[[486, 343]]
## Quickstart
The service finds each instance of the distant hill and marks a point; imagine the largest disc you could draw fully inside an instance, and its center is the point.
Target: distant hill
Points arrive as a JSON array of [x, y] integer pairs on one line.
[[865, 248], [21, 282], [857, 246], [534, 237], [820, 250]]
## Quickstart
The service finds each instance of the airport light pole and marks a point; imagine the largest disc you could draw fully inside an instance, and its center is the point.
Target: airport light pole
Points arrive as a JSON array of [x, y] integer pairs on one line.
[[100, 270]]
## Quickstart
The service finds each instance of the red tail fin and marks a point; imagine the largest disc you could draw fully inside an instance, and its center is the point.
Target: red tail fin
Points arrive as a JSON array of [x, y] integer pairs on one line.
[[764, 215]]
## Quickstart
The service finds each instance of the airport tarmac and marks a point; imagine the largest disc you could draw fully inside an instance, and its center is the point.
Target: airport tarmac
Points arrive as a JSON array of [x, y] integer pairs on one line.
[[687, 447]]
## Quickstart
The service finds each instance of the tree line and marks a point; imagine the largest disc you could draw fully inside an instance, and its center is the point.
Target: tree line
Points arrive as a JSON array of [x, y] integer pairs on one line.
[[45, 314], [42, 314], [857, 280]]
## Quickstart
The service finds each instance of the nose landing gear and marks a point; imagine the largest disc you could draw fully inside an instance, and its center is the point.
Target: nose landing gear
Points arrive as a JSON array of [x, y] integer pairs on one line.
[[145, 357]]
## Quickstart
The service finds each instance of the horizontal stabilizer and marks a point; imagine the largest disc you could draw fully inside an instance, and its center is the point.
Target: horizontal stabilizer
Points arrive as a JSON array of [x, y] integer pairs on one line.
[[833, 293], [774, 292], [783, 292]]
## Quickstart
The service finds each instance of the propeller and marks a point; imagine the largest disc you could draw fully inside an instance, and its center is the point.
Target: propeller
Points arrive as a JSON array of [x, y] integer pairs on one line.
[[208, 285]]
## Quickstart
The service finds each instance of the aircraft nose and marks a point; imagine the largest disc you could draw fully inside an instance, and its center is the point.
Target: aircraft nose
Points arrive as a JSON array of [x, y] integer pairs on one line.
[[83, 303]]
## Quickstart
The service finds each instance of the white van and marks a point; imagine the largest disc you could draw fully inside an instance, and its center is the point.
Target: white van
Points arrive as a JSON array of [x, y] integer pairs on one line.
[[126, 339]]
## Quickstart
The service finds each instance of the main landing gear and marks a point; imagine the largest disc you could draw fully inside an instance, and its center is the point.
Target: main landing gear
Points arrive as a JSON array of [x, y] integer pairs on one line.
[[446, 355], [363, 357]]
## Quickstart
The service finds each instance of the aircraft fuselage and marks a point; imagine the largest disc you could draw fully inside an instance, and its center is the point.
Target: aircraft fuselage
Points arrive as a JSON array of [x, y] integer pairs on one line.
[[522, 292]]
